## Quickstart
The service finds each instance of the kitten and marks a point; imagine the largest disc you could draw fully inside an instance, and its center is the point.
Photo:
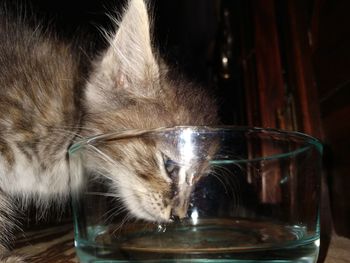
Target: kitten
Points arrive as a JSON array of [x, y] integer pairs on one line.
[[46, 104]]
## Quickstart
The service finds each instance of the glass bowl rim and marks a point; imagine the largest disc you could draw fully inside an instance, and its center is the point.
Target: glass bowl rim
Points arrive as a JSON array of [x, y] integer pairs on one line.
[[309, 140]]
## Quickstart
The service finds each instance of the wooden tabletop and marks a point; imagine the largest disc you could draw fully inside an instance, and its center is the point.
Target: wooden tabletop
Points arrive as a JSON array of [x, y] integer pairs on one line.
[[56, 245], [50, 245]]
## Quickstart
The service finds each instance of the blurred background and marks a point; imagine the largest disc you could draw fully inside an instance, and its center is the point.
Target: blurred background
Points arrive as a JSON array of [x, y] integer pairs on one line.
[[282, 64]]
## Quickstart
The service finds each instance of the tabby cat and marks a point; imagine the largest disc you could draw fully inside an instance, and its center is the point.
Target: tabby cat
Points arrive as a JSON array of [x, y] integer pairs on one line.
[[46, 104]]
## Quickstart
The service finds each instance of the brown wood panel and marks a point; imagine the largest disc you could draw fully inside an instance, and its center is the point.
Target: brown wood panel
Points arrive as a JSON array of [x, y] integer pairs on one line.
[[280, 77], [268, 63], [270, 84], [301, 76], [302, 68], [248, 64]]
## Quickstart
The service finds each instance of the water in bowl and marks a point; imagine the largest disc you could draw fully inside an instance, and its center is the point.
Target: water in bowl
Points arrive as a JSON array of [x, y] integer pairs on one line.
[[208, 240]]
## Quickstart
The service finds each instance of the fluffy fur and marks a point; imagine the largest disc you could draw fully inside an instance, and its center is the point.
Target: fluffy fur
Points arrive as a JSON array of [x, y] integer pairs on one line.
[[47, 103]]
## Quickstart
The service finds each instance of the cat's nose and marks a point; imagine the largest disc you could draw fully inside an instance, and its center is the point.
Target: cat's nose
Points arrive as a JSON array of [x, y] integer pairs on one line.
[[176, 215], [174, 218]]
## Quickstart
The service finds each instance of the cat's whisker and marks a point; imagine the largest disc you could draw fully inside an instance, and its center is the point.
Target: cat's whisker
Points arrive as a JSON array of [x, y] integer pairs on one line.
[[104, 175], [73, 128], [133, 193], [102, 194], [216, 175], [230, 189], [226, 173], [132, 190], [112, 213], [114, 194], [127, 218], [62, 131], [228, 176], [238, 160], [124, 187], [112, 162]]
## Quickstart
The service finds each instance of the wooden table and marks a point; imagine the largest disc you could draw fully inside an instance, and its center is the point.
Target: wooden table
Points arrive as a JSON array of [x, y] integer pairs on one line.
[[48, 245], [56, 245]]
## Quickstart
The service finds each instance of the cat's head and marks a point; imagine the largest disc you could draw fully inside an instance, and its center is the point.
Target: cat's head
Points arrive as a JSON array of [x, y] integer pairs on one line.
[[130, 89], [153, 172]]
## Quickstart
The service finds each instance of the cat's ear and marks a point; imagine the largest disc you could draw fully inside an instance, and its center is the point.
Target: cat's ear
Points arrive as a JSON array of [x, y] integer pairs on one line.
[[129, 62]]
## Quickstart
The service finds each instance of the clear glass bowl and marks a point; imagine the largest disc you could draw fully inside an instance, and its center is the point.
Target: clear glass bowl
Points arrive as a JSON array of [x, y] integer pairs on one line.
[[197, 194]]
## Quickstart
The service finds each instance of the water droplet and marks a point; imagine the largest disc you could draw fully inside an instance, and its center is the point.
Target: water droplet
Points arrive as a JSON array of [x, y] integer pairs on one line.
[[161, 228]]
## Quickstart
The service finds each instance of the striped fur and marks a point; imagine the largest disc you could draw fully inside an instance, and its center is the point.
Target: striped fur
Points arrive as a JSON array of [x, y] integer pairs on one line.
[[47, 102]]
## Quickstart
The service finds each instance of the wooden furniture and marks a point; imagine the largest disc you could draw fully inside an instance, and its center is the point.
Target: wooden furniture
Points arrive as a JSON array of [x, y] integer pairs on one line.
[[278, 77], [296, 61]]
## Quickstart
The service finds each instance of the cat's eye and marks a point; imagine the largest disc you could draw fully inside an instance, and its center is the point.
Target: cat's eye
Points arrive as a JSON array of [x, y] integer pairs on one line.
[[171, 167]]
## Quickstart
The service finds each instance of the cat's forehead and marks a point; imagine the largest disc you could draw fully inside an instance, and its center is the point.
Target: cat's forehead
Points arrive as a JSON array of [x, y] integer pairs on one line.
[[180, 145], [184, 145]]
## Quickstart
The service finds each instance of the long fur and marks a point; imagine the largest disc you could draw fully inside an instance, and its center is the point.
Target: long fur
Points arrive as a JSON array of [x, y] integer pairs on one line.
[[47, 103]]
